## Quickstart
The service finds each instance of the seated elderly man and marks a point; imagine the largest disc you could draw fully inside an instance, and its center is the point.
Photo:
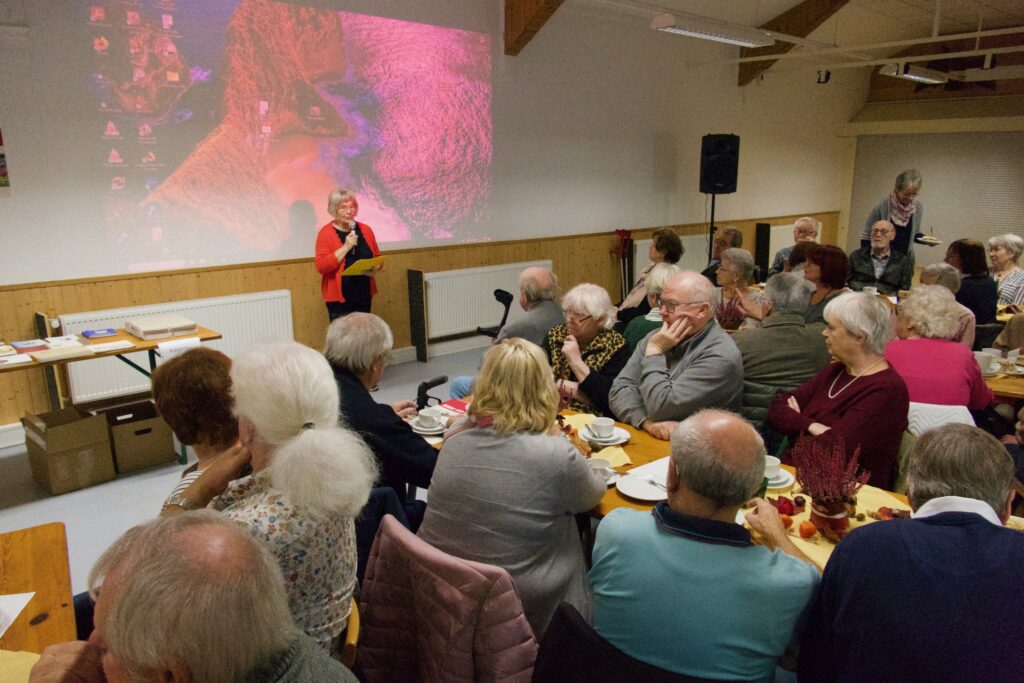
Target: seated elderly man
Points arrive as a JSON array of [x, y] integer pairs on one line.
[[685, 589], [932, 598], [688, 364], [538, 291], [804, 230], [949, 277], [357, 347], [878, 265], [785, 352], [191, 597]]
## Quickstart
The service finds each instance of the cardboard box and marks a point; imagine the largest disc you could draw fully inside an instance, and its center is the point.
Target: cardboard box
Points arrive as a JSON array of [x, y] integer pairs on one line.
[[68, 450], [140, 437]]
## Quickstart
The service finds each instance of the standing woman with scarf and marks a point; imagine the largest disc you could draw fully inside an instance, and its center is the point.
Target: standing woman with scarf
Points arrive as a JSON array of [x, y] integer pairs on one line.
[[900, 208]]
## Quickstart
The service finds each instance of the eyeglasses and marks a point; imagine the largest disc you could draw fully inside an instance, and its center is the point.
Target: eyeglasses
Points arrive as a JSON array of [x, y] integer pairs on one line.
[[671, 306], [884, 233], [723, 269], [571, 317]]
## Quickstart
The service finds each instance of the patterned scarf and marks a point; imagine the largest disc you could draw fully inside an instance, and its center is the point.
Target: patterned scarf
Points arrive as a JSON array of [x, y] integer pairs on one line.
[[899, 212], [599, 352]]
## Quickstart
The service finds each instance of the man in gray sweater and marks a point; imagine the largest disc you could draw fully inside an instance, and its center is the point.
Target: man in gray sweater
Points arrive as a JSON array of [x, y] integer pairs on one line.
[[687, 365]]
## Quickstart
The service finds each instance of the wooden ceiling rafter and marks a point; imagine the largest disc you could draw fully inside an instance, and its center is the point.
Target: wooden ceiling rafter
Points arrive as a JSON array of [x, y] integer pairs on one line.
[[523, 18], [798, 21]]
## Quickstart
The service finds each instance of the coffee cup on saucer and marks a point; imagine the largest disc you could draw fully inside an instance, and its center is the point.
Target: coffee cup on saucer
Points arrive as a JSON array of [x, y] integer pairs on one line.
[[429, 418], [599, 463], [603, 427], [772, 467]]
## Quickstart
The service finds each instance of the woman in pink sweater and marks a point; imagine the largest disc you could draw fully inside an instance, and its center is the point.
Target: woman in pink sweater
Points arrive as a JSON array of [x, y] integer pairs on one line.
[[860, 399]]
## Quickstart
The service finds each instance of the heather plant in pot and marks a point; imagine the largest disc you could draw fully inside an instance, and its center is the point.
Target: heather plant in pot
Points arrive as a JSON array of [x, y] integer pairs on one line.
[[832, 482]]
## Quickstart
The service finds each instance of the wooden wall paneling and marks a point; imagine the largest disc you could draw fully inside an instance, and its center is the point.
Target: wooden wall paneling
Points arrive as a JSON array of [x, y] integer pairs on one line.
[[575, 258]]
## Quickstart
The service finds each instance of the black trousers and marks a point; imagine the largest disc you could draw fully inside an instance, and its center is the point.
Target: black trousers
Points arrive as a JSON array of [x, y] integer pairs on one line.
[[339, 309]]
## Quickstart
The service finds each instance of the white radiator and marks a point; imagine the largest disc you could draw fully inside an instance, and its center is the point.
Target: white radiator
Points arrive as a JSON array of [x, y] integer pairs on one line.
[[243, 320], [460, 300]]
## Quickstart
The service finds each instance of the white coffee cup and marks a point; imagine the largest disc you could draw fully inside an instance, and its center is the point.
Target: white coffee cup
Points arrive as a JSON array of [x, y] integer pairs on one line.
[[599, 463], [429, 418], [986, 361], [995, 353], [772, 466], [873, 291], [603, 427]]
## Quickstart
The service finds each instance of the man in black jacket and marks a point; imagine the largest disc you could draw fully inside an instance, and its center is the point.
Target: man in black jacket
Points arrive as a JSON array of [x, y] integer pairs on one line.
[[357, 347]]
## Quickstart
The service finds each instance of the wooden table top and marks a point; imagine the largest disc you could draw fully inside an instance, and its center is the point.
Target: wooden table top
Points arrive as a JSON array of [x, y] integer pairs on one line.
[[1006, 386], [36, 560], [203, 333]]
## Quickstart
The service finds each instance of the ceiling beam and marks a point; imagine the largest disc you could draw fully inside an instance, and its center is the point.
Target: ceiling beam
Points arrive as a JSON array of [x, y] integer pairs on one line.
[[523, 18], [798, 21]]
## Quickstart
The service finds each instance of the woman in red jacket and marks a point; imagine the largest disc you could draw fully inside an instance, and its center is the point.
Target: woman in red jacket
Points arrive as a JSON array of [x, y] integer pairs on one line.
[[339, 244]]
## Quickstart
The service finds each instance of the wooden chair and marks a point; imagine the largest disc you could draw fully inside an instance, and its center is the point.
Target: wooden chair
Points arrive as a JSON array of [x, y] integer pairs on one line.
[[348, 647]]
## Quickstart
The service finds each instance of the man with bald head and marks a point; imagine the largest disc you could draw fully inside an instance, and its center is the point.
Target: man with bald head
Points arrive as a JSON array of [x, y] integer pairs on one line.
[[878, 265], [684, 589], [538, 289], [804, 230], [189, 597], [688, 364]]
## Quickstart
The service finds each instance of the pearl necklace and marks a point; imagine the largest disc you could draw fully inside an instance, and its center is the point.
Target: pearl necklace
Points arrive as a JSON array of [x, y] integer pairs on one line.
[[855, 378]]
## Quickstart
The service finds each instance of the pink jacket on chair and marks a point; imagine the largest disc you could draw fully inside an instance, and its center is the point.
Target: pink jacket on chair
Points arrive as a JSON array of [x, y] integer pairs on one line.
[[429, 616]]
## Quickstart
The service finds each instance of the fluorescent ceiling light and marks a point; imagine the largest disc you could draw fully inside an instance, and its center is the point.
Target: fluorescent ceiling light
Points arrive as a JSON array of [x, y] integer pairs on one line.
[[697, 27], [918, 74]]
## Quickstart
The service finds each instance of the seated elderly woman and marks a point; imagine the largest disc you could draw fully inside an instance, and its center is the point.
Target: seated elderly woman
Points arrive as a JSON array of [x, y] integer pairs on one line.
[[947, 276], [860, 398], [586, 354], [641, 326], [310, 478], [934, 368], [827, 268], [507, 485], [1004, 251], [734, 295], [666, 247], [357, 347], [193, 394]]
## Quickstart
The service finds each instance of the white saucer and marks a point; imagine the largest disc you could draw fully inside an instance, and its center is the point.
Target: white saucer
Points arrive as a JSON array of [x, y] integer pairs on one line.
[[782, 481], [426, 431], [619, 435], [637, 488]]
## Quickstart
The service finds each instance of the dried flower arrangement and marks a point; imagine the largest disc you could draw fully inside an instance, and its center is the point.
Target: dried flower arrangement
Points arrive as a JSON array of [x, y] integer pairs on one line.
[[830, 480]]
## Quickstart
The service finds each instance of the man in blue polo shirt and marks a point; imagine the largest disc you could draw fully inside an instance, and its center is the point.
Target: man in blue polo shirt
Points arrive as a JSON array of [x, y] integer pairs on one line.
[[682, 587], [933, 598]]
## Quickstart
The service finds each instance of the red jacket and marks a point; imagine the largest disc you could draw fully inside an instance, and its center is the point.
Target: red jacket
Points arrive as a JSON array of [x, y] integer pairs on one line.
[[328, 242]]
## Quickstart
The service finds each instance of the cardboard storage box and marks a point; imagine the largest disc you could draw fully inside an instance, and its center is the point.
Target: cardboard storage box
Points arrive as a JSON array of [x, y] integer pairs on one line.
[[140, 437], [68, 450]]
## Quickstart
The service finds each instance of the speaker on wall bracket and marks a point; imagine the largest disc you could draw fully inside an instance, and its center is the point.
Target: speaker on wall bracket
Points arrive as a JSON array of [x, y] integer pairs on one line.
[[719, 161]]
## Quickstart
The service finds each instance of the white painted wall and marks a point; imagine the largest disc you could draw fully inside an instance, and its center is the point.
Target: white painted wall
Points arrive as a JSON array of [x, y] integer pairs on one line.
[[597, 125]]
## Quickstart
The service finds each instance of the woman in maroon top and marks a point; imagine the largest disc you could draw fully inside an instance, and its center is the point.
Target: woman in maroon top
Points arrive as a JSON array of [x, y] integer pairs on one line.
[[859, 398]]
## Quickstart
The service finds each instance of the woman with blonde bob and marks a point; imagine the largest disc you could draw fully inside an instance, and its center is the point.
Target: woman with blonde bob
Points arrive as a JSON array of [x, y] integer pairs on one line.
[[310, 478], [935, 368], [507, 484]]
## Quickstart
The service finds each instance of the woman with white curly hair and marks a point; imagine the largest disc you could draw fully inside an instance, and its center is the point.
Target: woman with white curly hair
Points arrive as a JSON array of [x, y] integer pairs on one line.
[[310, 478], [935, 368], [586, 354]]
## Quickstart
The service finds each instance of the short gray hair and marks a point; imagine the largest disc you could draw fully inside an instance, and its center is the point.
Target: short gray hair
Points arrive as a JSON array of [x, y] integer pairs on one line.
[[862, 314], [788, 292], [813, 222], [931, 311], [592, 300], [908, 178], [193, 590], [287, 392], [356, 340], [735, 235], [944, 274], [337, 197], [742, 261], [705, 472], [1012, 243], [659, 275], [537, 289], [960, 460]]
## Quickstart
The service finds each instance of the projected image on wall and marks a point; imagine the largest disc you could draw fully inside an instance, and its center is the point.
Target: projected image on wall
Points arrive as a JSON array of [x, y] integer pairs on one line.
[[223, 126]]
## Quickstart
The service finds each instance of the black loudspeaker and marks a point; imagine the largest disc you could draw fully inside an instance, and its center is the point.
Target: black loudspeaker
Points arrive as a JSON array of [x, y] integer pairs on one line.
[[762, 243], [719, 159]]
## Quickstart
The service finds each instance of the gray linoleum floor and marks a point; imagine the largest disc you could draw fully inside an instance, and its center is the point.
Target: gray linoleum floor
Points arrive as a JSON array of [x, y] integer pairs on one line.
[[95, 516]]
